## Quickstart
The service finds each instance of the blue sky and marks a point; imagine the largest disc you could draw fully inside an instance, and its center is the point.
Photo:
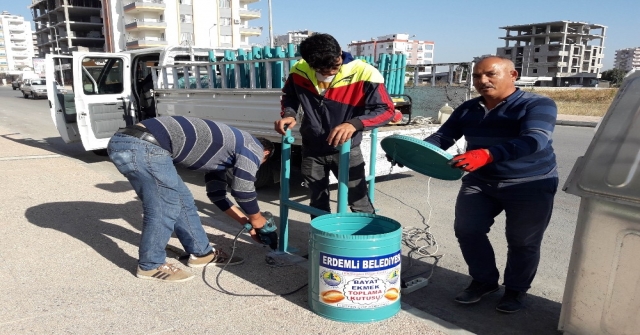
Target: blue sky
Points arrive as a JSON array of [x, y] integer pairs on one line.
[[460, 29]]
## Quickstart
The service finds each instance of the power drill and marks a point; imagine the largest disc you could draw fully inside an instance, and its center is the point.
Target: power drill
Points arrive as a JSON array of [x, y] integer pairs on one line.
[[266, 234]]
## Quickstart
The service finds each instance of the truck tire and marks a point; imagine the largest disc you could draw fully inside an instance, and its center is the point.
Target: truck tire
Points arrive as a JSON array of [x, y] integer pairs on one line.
[[25, 95], [100, 152], [264, 177], [14, 88]]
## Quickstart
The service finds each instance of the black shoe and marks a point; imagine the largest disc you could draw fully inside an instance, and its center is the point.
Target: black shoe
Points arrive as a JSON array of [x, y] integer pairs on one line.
[[511, 302], [475, 292]]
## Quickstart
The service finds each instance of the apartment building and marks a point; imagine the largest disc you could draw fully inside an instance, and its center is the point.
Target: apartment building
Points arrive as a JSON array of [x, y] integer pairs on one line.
[[417, 52], [64, 26], [16, 48], [568, 52], [136, 24], [294, 37], [627, 59]]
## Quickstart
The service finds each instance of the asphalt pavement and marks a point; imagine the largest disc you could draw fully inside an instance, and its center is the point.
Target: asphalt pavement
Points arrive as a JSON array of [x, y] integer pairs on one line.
[[67, 263]]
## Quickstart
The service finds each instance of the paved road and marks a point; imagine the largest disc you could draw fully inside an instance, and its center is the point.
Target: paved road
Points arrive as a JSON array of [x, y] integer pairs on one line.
[[406, 198]]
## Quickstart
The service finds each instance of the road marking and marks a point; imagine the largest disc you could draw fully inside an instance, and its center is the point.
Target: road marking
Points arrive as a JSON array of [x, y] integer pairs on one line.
[[17, 158]]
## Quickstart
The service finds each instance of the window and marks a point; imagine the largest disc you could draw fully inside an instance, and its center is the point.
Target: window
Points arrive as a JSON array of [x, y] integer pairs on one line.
[[186, 37], [185, 2], [186, 18], [225, 21], [225, 3], [534, 70], [102, 76], [536, 50], [507, 51]]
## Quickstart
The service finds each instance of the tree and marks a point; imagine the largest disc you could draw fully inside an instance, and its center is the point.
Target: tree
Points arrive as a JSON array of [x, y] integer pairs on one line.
[[615, 76]]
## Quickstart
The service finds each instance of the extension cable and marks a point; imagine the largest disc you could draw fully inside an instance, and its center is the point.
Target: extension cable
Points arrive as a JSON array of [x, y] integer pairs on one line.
[[413, 285], [422, 244], [222, 290]]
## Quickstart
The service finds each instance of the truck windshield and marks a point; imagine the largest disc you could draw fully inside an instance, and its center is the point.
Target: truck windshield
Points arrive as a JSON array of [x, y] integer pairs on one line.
[[38, 82]]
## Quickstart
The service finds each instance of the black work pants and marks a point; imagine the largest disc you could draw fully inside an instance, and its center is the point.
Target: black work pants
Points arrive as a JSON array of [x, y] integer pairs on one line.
[[315, 171], [527, 206]]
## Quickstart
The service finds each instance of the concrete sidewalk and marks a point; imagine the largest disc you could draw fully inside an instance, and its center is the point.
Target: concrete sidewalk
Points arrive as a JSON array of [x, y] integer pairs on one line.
[[70, 237]]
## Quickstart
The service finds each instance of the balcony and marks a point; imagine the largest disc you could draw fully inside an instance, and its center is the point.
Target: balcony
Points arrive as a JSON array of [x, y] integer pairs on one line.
[[17, 37], [251, 31], [19, 46], [145, 24], [250, 14], [16, 28], [15, 19], [145, 42], [243, 2], [145, 6]]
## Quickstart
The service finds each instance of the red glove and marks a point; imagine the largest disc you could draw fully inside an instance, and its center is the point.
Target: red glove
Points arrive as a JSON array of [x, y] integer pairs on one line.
[[471, 160]]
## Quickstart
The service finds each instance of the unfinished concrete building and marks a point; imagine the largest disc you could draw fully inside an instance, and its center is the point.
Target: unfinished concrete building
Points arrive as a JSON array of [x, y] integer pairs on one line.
[[64, 26], [563, 53]]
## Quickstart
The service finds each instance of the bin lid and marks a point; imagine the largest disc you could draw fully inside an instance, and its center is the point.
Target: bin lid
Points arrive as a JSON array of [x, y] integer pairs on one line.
[[611, 165], [420, 156]]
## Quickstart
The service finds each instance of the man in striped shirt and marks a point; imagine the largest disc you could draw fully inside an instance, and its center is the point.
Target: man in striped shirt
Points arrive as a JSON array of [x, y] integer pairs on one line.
[[512, 168], [146, 154]]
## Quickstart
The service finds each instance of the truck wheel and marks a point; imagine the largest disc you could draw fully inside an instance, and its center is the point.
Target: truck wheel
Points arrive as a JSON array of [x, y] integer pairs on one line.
[[14, 88], [264, 177], [101, 152], [25, 95]]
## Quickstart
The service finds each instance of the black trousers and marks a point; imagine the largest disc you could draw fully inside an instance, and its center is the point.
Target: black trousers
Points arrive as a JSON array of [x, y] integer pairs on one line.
[[315, 171], [527, 206]]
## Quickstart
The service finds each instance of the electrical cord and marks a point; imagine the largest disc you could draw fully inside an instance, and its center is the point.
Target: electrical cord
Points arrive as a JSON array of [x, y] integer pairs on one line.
[[420, 241], [223, 290]]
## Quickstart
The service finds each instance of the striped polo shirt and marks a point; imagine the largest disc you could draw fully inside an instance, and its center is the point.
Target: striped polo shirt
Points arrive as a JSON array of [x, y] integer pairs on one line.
[[213, 147]]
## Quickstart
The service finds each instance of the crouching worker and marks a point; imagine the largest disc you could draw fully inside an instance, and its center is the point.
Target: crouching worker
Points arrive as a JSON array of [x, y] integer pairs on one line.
[[145, 153]]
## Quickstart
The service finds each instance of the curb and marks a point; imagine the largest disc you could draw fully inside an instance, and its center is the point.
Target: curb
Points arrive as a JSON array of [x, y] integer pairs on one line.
[[576, 123]]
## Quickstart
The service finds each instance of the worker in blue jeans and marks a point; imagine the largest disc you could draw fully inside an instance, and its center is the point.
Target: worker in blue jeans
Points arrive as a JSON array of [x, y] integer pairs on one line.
[[512, 168], [145, 154]]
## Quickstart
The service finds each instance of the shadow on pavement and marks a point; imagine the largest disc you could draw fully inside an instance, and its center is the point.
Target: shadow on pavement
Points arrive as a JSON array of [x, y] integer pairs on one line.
[[86, 221], [56, 145], [540, 316]]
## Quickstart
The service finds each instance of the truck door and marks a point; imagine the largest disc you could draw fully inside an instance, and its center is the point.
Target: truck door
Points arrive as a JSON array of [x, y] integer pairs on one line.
[[61, 102], [102, 83]]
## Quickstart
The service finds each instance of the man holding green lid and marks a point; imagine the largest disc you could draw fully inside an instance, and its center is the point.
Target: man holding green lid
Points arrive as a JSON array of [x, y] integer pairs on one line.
[[511, 167]]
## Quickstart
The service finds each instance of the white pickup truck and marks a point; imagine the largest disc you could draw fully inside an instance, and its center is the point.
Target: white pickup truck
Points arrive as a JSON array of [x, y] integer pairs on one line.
[[106, 91]]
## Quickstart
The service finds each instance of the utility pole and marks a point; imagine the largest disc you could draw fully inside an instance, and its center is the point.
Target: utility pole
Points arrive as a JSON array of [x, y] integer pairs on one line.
[[270, 27]]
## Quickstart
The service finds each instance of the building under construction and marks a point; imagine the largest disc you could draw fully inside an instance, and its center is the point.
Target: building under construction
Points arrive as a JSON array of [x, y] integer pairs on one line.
[[64, 26], [562, 52]]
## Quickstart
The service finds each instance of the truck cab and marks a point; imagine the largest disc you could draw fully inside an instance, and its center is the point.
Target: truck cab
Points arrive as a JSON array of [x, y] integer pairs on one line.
[[101, 92]]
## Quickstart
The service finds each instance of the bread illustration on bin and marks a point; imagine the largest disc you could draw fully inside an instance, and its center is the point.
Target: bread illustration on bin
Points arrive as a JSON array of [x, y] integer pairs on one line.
[[332, 296], [392, 294]]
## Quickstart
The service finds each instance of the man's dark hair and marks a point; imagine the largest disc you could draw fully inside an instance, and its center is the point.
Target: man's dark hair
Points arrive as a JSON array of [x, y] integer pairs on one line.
[[266, 145], [320, 51]]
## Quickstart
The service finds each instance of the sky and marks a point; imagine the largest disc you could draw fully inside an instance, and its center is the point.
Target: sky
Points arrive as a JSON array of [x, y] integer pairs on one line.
[[461, 29]]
